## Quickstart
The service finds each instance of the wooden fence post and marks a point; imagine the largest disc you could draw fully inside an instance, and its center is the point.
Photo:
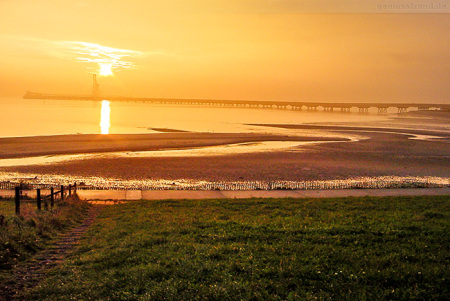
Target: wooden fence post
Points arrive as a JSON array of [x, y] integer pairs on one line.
[[52, 197], [62, 192], [38, 199], [70, 189], [17, 200], [75, 187]]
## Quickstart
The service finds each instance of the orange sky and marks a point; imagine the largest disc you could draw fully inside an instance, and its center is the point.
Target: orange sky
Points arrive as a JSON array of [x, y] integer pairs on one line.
[[246, 49]]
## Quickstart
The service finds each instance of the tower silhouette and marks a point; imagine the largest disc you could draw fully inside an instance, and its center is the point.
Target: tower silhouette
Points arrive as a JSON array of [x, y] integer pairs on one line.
[[95, 87]]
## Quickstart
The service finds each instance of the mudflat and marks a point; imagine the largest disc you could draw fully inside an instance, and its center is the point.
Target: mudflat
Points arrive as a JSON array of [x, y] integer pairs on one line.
[[382, 153], [84, 144]]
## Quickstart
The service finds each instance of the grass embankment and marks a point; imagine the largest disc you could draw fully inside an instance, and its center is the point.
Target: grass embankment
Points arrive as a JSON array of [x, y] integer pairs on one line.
[[263, 249], [24, 235]]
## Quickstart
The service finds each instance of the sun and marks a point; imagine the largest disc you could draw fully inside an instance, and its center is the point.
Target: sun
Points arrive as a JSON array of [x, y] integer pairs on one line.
[[105, 69]]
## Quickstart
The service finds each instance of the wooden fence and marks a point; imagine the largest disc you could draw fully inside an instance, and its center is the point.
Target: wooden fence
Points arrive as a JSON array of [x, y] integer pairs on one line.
[[54, 195], [24, 186]]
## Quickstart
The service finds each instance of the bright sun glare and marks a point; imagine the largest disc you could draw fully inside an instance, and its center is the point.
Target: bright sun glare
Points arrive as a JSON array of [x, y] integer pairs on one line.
[[105, 69]]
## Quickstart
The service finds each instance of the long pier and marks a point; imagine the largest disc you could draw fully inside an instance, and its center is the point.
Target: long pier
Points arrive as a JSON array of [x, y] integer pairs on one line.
[[362, 107]]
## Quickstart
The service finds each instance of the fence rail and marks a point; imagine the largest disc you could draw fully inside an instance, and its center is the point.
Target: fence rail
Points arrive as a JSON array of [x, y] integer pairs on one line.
[[62, 193], [24, 185]]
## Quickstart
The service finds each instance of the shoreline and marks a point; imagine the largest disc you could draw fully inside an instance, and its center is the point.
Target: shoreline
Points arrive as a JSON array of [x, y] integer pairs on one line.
[[174, 139], [39, 181], [379, 154], [363, 129]]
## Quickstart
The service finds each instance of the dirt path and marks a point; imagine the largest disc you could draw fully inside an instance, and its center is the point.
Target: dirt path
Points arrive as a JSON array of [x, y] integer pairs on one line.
[[28, 274]]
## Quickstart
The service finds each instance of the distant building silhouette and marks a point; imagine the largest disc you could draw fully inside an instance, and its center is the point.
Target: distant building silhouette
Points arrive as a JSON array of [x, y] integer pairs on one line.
[[95, 87]]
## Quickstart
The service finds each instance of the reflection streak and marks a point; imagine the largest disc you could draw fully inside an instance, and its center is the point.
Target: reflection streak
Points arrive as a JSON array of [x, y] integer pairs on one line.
[[105, 117]]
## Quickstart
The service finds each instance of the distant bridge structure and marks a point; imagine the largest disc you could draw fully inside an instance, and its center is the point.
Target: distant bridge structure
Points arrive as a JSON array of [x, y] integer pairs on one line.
[[362, 107]]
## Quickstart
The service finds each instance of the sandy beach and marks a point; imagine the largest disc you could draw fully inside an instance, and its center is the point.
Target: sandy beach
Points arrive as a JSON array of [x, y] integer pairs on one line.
[[87, 144], [383, 153]]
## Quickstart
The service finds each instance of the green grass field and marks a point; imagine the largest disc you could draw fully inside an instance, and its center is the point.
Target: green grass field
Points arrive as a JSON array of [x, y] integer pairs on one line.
[[7, 207], [261, 249], [22, 236]]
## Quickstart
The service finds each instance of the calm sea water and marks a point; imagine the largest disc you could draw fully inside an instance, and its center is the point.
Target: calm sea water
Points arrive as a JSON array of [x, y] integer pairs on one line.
[[30, 117]]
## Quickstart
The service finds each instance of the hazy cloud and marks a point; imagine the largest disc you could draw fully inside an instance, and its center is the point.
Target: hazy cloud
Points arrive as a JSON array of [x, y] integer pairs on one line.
[[95, 54]]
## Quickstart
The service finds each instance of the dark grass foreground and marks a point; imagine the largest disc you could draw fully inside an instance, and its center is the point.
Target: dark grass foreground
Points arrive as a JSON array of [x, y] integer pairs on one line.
[[23, 236], [262, 249]]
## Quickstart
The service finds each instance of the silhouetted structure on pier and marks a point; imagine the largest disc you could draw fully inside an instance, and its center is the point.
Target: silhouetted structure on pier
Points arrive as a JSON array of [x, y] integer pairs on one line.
[[95, 87]]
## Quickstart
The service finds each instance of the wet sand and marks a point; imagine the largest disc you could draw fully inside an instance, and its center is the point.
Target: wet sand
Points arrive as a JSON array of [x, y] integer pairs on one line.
[[382, 154], [440, 135], [22, 147]]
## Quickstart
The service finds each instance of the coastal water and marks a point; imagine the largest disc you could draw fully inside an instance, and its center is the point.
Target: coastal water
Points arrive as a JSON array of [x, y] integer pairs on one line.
[[34, 117], [25, 117]]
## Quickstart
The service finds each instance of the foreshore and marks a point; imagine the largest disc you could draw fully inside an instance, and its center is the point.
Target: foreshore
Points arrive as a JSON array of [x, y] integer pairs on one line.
[[380, 154], [22, 147]]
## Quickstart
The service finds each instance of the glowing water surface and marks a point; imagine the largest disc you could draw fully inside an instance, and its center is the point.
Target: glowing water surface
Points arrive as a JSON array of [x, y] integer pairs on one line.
[[105, 117], [35, 117]]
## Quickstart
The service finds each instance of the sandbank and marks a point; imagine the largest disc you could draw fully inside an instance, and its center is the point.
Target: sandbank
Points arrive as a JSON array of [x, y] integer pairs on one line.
[[21, 147], [381, 154]]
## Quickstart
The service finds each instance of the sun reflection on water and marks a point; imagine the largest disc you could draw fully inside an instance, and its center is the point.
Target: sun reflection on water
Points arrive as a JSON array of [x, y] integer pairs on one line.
[[105, 123]]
